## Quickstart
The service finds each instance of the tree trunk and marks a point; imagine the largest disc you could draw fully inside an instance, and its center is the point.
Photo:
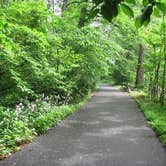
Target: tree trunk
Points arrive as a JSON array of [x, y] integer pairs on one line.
[[64, 5], [155, 85], [163, 88], [51, 4], [140, 72]]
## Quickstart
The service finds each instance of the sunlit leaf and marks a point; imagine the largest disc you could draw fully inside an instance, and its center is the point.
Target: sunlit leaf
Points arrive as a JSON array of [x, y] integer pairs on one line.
[[127, 10], [161, 7], [131, 1]]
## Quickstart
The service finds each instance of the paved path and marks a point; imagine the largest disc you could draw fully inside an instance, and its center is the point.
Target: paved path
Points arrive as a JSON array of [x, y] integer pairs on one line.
[[109, 130]]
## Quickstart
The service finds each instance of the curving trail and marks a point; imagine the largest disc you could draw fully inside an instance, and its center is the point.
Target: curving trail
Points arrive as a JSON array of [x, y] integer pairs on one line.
[[109, 130]]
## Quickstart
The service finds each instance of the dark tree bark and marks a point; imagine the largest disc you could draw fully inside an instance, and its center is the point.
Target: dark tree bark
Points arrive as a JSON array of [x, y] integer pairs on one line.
[[163, 87], [64, 5], [140, 71], [155, 85], [51, 4]]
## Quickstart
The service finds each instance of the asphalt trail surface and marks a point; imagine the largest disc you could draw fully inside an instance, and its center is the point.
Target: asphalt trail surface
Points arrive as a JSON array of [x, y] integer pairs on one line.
[[109, 130]]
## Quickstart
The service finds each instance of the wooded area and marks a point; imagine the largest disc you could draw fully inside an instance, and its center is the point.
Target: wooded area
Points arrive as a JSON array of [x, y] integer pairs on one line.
[[54, 53]]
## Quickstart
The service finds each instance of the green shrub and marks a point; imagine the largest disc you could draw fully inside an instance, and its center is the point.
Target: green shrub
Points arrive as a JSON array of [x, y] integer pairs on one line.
[[33, 14], [46, 64], [155, 114], [20, 125]]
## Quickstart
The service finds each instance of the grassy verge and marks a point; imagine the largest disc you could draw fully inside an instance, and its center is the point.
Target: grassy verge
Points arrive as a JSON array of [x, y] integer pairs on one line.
[[154, 112], [21, 125]]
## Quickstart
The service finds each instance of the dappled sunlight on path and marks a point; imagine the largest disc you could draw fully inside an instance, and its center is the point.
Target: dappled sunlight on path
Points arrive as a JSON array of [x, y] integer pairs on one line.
[[109, 130]]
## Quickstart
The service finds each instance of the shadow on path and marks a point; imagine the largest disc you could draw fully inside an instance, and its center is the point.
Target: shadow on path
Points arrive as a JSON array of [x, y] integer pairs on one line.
[[109, 130]]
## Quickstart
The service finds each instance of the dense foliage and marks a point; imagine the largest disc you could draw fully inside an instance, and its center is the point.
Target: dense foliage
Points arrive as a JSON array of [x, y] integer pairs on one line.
[[49, 63], [154, 113], [139, 56], [50, 60], [110, 9], [46, 63]]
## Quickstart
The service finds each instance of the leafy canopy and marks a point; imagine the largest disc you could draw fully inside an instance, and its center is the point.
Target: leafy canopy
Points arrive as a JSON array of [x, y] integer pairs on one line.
[[110, 9]]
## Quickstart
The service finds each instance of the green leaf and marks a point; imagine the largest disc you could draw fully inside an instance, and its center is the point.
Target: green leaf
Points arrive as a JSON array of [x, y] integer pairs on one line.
[[93, 13], [156, 12], [139, 22], [97, 2], [146, 22], [145, 2], [131, 1], [161, 7], [127, 10], [105, 13], [109, 10]]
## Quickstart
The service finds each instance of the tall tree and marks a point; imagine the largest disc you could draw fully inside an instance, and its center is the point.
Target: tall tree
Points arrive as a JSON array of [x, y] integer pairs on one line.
[[163, 88], [64, 5], [140, 71]]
